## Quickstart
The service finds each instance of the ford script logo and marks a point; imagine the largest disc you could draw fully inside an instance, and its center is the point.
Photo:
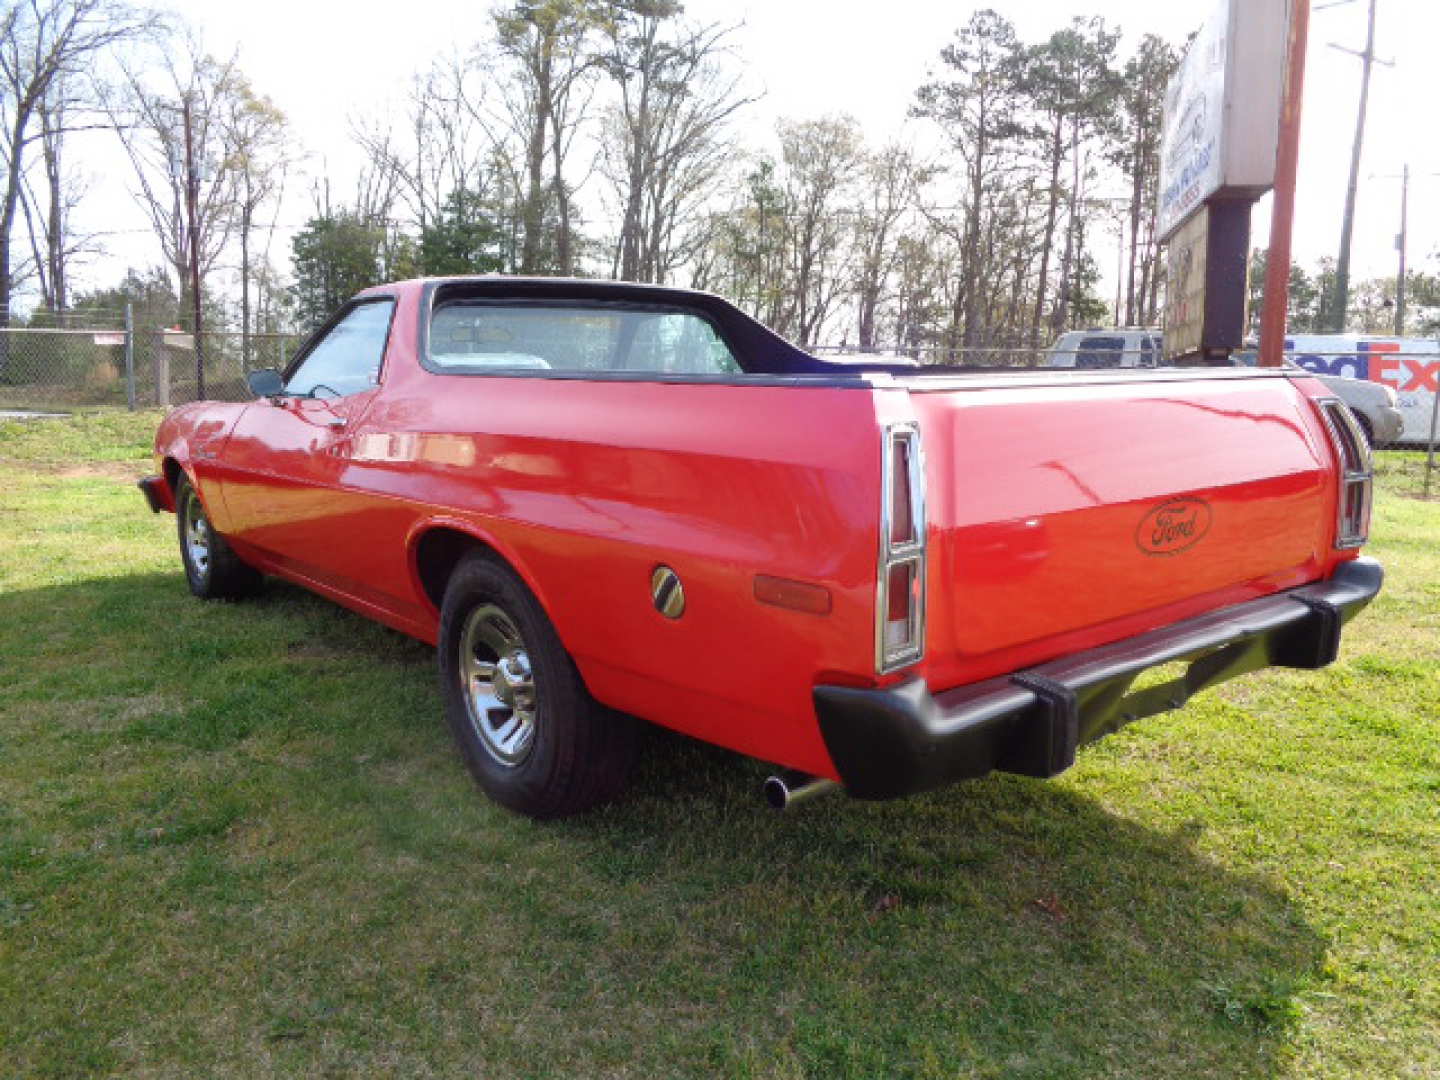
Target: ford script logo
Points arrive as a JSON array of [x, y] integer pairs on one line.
[[1173, 526]]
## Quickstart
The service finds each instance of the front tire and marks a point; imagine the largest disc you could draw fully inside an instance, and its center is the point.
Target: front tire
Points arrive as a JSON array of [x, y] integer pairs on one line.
[[212, 568], [530, 733]]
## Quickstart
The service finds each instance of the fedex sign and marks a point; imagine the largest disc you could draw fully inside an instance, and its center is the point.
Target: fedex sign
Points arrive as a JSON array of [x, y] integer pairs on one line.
[[1407, 374], [1378, 361]]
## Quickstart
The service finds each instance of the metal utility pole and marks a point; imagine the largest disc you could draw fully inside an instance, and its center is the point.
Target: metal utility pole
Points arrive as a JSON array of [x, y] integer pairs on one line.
[[1400, 243], [192, 196], [1347, 226]]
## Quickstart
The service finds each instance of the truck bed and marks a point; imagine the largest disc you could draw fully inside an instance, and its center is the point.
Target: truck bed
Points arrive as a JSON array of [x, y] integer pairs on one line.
[[1049, 501]]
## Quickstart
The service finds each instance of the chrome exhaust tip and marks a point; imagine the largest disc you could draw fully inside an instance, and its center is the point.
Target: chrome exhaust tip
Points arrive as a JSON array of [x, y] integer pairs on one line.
[[788, 788]]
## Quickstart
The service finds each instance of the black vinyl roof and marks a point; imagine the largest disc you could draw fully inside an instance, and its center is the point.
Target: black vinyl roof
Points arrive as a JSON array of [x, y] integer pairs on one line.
[[757, 348]]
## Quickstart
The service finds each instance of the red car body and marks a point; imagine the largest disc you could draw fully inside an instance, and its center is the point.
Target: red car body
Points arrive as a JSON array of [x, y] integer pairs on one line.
[[1061, 515]]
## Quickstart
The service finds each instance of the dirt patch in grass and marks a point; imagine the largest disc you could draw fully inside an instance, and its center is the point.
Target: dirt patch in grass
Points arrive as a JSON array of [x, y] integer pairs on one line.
[[106, 470]]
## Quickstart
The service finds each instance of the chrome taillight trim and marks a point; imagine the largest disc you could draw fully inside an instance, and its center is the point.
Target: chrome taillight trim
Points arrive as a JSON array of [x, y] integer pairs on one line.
[[892, 554], [1356, 469]]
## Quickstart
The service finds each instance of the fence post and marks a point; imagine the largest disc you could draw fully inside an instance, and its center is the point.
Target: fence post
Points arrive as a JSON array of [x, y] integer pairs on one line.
[[130, 357], [162, 371], [1434, 423]]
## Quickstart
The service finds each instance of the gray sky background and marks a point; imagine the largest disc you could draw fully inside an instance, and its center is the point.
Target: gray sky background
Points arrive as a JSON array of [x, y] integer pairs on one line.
[[325, 62]]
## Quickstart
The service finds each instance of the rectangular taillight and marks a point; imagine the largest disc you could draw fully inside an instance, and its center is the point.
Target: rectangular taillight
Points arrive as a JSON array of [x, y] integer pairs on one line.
[[900, 591], [1356, 473]]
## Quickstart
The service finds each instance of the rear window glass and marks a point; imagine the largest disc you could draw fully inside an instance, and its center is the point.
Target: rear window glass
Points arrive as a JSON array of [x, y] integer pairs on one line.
[[476, 336]]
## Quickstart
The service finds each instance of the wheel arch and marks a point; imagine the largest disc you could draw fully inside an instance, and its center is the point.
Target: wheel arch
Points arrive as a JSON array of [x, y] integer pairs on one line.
[[436, 547], [172, 470]]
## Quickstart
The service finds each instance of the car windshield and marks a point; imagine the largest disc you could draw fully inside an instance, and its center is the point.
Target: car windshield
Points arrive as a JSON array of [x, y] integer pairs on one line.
[[476, 336]]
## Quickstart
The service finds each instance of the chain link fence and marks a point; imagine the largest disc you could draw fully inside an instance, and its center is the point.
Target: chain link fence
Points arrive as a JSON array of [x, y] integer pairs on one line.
[[992, 356], [1119, 349], [60, 368]]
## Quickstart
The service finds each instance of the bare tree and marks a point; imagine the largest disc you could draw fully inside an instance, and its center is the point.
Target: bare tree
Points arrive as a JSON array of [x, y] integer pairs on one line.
[[446, 141], [44, 44], [664, 142], [742, 249], [255, 135], [47, 208], [822, 158], [1091, 87], [889, 178], [547, 45], [976, 106], [1138, 154], [173, 128]]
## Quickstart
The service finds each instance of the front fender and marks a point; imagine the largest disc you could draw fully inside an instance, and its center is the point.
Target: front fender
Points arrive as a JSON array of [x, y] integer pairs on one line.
[[194, 437]]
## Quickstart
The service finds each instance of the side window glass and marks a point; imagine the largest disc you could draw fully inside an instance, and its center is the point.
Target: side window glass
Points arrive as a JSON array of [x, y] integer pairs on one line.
[[1100, 352], [347, 359]]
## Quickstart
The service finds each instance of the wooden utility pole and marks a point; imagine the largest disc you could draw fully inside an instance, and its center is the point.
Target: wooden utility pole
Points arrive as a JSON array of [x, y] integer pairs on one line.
[[1347, 225], [192, 196]]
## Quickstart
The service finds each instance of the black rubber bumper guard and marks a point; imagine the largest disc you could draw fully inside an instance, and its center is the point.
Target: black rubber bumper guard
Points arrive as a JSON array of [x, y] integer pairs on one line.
[[153, 488], [902, 740]]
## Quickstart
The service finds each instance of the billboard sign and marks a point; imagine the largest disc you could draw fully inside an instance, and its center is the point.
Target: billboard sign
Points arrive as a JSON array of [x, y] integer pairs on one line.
[[1222, 110], [1185, 285]]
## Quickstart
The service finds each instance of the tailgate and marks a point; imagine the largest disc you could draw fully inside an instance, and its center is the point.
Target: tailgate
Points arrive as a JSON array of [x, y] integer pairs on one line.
[[1067, 514]]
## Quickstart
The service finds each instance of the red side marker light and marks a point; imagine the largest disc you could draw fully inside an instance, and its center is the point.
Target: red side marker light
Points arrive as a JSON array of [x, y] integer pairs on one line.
[[795, 595]]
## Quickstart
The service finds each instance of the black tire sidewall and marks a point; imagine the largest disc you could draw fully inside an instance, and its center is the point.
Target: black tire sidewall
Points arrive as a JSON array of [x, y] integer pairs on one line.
[[536, 785], [198, 579], [227, 577]]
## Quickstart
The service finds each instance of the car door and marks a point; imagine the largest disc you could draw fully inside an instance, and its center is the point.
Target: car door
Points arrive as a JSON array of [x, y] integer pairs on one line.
[[284, 460]]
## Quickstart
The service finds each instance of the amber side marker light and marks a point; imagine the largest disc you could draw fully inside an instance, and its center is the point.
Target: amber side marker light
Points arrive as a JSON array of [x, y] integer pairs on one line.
[[795, 595]]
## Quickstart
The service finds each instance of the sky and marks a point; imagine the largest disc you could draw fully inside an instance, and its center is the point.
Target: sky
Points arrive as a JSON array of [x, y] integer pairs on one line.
[[324, 63]]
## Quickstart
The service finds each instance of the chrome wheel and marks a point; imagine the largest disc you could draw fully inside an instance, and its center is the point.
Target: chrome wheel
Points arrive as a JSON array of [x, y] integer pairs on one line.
[[196, 533], [498, 684]]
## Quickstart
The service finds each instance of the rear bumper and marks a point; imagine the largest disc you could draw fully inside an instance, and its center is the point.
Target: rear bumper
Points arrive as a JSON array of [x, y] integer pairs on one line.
[[157, 493], [902, 740]]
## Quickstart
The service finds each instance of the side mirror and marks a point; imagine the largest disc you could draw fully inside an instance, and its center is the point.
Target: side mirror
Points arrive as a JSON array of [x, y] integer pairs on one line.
[[266, 382]]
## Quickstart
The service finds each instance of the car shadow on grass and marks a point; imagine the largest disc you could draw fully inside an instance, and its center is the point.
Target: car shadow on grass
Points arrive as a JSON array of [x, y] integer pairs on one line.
[[1007, 926], [1004, 927]]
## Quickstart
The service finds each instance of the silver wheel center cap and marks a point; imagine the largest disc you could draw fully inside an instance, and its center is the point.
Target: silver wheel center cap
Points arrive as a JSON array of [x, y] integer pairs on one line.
[[511, 672]]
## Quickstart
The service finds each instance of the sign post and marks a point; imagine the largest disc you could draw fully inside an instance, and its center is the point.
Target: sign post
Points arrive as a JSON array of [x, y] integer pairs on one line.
[[1218, 156], [1282, 213], [1434, 431]]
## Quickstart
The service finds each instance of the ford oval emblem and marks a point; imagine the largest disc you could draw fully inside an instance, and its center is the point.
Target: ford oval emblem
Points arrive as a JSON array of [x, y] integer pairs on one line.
[[1174, 526]]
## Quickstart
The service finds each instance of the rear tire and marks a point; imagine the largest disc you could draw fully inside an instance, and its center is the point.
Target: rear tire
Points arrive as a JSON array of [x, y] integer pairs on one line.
[[212, 569], [530, 733]]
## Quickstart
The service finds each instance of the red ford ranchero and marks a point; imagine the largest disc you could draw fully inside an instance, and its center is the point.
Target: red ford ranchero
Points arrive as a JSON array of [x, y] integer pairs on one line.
[[606, 503]]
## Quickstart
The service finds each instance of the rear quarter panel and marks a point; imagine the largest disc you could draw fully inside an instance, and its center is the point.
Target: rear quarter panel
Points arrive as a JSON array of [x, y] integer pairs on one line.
[[585, 487]]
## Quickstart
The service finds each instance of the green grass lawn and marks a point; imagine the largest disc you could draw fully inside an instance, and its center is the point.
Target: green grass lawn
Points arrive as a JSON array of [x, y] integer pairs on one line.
[[234, 840]]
